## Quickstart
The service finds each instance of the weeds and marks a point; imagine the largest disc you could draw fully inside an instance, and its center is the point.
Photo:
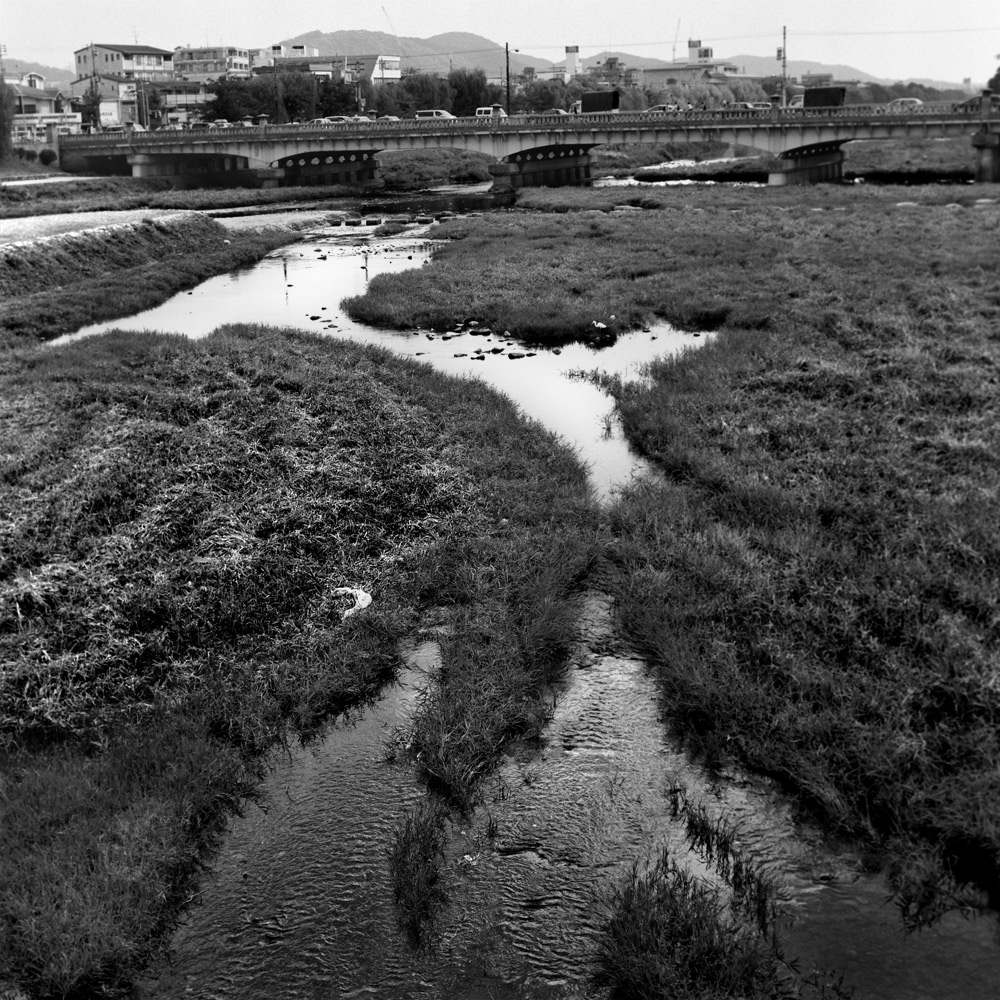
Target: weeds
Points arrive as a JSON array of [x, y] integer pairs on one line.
[[416, 855], [670, 934]]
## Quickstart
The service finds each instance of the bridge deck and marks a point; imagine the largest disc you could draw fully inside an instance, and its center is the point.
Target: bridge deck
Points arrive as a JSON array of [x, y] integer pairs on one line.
[[791, 133]]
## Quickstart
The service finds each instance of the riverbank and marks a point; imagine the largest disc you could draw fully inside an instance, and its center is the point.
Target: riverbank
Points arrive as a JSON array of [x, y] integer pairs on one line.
[[55, 284]]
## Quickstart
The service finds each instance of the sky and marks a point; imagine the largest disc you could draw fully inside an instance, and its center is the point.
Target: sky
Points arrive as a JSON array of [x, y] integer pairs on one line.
[[896, 39]]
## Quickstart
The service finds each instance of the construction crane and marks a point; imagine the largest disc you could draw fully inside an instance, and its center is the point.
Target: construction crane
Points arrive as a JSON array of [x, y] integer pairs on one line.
[[394, 32]]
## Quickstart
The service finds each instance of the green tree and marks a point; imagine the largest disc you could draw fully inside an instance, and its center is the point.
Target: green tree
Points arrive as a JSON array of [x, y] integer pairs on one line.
[[423, 90], [540, 95], [386, 101], [469, 91], [334, 97], [6, 121], [154, 103], [299, 92], [90, 107], [231, 100]]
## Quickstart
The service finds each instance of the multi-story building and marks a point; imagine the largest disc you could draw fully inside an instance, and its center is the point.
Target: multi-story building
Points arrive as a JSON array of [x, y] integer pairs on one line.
[[122, 76], [374, 69], [131, 62], [700, 65], [181, 100], [37, 107], [223, 62]]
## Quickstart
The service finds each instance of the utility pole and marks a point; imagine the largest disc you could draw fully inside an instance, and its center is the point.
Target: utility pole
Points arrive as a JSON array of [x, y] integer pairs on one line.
[[358, 67], [506, 47], [783, 56]]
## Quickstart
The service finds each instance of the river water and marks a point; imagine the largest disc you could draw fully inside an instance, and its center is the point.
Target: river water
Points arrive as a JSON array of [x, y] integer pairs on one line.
[[298, 903]]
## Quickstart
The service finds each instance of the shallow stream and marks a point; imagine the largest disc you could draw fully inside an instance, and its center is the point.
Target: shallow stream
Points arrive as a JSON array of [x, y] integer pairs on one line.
[[298, 902]]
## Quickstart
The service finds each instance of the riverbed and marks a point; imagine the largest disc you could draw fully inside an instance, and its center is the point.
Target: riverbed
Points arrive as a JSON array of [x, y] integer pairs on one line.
[[298, 905]]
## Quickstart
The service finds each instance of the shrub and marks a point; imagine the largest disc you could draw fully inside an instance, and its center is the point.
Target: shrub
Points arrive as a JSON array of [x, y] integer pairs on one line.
[[47, 157]]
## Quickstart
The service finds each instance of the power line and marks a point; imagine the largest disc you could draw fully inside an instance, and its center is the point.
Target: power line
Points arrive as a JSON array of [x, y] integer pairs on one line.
[[774, 34]]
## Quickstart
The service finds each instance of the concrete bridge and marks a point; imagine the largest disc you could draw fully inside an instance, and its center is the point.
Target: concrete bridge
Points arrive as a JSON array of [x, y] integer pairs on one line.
[[526, 150]]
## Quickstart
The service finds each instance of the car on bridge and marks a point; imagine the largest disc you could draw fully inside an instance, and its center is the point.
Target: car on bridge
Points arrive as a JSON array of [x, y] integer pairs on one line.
[[433, 113], [661, 109], [902, 105], [553, 111]]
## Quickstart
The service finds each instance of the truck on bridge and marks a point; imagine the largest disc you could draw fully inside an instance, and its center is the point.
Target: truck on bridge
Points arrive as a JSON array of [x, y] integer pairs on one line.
[[824, 97], [596, 101]]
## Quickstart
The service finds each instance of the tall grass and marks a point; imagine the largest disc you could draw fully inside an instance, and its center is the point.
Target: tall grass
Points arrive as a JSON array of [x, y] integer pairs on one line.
[[181, 515]]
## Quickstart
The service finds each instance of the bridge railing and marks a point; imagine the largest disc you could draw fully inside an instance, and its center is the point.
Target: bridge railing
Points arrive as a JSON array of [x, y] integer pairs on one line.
[[534, 122]]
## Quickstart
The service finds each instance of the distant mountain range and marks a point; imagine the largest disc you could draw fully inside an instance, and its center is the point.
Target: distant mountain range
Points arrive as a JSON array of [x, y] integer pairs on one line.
[[438, 54], [463, 50]]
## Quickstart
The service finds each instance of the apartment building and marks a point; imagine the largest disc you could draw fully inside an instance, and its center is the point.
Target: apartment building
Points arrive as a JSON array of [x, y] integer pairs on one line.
[[223, 62], [130, 62]]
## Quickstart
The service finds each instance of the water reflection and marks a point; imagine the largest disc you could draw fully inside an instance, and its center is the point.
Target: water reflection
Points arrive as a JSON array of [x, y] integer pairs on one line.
[[302, 286]]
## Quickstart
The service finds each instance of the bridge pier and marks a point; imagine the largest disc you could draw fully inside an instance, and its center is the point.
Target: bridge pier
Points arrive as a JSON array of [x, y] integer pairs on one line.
[[553, 166], [809, 167], [987, 146], [198, 170]]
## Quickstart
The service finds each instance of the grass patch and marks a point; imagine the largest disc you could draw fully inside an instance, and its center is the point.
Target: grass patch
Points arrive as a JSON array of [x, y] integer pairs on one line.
[[117, 194], [556, 271], [179, 516], [55, 286], [672, 933], [416, 857], [416, 169]]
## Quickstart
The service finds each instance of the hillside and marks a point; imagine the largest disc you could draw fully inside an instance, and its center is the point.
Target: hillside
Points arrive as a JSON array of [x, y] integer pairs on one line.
[[54, 76]]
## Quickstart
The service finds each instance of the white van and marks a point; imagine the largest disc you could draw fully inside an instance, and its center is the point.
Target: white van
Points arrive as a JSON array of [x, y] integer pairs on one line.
[[493, 111], [434, 113]]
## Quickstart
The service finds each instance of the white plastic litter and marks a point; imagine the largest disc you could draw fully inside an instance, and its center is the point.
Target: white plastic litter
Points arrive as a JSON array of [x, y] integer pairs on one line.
[[361, 599]]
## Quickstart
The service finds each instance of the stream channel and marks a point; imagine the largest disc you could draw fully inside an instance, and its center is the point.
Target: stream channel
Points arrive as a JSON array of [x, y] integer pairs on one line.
[[297, 901]]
